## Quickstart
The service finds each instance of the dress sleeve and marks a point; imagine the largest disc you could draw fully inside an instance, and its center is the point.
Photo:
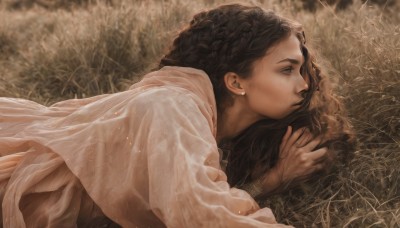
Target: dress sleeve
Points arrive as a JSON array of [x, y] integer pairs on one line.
[[187, 187]]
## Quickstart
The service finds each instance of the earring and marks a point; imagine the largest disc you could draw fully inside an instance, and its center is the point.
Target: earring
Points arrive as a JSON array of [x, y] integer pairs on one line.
[[242, 93]]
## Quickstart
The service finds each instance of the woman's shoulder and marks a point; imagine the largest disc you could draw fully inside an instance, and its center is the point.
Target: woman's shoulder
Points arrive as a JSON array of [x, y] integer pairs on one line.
[[162, 94], [184, 80]]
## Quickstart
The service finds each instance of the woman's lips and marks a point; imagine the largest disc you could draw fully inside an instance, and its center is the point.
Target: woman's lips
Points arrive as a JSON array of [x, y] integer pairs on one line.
[[298, 103]]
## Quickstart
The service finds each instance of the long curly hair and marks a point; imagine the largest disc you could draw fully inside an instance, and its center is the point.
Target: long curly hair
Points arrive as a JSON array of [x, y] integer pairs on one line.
[[230, 38], [256, 149]]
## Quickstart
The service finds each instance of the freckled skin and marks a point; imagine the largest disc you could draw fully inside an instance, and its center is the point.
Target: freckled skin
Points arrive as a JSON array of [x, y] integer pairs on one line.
[[276, 83]]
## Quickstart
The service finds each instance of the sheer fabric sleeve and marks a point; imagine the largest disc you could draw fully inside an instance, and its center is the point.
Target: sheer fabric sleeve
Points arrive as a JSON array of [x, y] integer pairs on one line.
[[187, 188]]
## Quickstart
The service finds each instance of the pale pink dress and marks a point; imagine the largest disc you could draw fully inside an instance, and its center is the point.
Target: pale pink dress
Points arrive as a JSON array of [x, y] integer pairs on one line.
[[145, 157]]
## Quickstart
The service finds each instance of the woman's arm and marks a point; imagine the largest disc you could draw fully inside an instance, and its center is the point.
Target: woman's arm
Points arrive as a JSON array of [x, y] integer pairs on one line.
[[264, 185], [187, 188], [297, 160]]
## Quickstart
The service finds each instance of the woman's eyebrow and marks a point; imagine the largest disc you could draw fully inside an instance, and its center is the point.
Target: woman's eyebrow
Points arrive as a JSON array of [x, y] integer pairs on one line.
[[293, 61]]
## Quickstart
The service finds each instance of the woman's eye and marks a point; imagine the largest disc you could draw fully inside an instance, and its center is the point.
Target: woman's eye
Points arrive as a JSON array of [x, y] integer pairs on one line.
[[288, 70]]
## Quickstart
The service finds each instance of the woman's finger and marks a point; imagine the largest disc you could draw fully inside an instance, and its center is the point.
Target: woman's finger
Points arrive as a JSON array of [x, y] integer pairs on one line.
[[319, 155], [285, 139], [294, 137], [312, 144], [304, 138], [312, 169], [317, 167]]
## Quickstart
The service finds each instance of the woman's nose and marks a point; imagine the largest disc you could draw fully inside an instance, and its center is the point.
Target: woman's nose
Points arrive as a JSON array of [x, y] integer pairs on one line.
[[302, 85]]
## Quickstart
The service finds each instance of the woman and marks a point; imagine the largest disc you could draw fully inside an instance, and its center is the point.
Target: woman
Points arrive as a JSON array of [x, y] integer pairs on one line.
[[148, 156], [253, 46]]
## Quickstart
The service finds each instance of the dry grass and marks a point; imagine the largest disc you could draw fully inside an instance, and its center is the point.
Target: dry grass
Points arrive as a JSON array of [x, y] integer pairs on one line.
[[88, 49]]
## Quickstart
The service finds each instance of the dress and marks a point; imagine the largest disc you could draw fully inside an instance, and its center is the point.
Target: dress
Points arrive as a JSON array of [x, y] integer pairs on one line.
[[145, 157]]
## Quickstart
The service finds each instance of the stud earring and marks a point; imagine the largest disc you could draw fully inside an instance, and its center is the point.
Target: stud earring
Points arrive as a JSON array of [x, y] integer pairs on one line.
[[242, 93]]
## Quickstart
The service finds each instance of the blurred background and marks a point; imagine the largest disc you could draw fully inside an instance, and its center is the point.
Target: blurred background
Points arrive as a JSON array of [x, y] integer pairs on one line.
[[52, 50]]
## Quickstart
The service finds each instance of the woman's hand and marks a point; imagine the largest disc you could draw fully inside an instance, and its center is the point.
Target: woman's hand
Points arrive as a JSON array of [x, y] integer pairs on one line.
[[297, 160]]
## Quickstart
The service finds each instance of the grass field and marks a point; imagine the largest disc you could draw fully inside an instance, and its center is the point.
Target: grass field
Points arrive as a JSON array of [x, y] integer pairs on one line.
[[52, 50]]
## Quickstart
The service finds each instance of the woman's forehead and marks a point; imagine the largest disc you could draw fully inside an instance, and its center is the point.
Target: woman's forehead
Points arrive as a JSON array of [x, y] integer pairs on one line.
[[288, 49]]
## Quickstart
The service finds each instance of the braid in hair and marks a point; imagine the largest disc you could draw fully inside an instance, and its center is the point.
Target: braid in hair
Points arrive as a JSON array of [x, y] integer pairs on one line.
[[231, 38], [226, 39]]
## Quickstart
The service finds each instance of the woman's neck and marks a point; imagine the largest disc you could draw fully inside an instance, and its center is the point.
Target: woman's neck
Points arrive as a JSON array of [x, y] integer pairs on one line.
[[233, 120]]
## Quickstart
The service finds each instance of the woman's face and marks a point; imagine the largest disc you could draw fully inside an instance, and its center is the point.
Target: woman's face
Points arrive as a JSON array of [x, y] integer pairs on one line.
[[275, 86]]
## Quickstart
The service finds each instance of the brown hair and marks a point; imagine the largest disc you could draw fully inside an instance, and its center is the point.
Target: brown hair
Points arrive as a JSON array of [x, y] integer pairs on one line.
[[256, 149], [230, 38]]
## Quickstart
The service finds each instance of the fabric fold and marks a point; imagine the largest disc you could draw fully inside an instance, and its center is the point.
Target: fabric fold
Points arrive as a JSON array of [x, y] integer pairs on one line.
[[145, 157]]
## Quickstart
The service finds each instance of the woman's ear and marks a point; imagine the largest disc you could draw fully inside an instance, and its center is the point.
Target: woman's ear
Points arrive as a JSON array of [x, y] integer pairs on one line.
[[232, 83]]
